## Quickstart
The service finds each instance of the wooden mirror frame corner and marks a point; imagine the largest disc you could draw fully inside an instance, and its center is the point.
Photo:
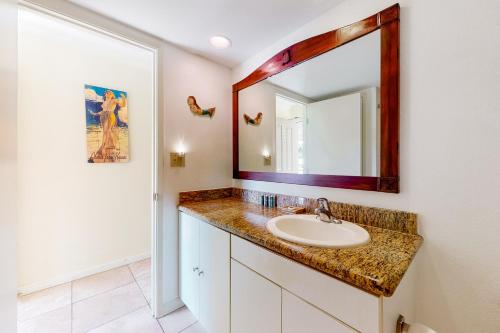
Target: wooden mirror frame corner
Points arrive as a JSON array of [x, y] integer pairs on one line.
[[388, 22]]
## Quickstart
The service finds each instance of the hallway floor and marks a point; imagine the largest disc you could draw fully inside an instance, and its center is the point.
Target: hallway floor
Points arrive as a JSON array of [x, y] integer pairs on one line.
[[109, 302]]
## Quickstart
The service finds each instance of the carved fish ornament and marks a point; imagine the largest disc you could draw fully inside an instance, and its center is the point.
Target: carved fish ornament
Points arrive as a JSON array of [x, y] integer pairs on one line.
[[195, 108], [253, 121]]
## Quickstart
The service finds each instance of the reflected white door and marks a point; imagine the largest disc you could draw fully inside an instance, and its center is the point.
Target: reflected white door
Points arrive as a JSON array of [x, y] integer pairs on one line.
[[334, 136], [289, 141]]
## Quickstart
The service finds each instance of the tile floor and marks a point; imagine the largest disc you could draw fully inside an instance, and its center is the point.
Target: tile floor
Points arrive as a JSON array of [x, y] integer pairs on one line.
[[110, 302]]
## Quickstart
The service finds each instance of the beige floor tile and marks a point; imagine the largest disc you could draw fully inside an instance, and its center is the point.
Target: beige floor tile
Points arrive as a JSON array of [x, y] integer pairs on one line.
[[103, 308], [101, 282], [141, 269], [55, 321], [177, 321], [196, 328], [140, 321], [35, 304], [145, 285]]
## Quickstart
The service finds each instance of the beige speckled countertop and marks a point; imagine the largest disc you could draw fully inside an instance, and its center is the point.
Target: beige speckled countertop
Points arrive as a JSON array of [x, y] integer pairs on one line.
[[376, 267]]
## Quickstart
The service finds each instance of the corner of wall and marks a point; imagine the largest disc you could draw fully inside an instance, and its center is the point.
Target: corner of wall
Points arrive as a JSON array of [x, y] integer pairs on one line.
[[8, 164]]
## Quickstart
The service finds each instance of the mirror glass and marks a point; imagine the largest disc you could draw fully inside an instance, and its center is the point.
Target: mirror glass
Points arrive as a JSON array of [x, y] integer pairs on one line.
[[320, 117]]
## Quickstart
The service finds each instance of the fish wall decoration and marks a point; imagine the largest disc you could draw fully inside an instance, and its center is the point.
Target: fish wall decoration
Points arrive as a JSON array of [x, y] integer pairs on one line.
[[253, 121], [195, 108]]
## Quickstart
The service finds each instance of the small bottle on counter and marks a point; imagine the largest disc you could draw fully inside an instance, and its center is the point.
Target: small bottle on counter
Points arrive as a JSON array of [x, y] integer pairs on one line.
[[269, 200]]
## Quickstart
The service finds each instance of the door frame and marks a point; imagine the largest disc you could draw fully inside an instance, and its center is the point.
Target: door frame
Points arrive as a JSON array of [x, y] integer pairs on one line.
[[157, 134]]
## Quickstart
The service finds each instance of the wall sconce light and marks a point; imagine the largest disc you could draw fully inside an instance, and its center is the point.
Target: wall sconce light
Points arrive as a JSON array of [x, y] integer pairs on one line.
[[267, 157], [178, 158]]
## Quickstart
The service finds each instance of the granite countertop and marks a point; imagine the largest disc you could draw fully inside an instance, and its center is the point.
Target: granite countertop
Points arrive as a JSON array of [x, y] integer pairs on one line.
[[376, 267]]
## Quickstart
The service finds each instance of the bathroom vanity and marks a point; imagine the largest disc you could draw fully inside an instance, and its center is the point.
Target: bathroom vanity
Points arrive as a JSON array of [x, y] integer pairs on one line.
[[235, 276], [322, 112]]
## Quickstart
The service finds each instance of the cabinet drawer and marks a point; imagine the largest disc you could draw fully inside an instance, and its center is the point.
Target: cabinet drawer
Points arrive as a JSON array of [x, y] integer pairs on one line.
[[350, 305], [299, 317]]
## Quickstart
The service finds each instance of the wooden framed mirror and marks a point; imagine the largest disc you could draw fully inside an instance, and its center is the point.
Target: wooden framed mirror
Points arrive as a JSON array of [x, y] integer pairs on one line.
[[324, 111]]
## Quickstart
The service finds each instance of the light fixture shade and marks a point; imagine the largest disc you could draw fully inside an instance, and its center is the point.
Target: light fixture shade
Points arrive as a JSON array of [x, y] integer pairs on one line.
[[220, 42]]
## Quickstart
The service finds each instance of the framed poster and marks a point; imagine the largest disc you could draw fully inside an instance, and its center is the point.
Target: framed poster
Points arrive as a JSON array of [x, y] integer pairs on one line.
[[107, 125]]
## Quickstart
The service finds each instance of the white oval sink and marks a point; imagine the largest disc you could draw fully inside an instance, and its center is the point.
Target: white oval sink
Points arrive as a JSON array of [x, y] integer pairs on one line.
[[309, 230]]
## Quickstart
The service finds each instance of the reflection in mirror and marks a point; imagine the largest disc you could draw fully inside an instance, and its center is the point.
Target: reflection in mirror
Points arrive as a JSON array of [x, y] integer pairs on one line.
[[320, 117]]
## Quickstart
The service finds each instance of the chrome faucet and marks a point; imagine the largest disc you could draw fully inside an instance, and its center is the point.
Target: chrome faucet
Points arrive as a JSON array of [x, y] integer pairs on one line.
[[324, 213]]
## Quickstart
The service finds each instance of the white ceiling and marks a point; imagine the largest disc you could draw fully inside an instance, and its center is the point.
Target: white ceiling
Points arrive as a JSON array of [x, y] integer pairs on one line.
[[349, 68], [252, 25]]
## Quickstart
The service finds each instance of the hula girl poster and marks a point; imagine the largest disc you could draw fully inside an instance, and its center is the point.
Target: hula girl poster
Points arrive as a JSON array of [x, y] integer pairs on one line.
[[107, 125]]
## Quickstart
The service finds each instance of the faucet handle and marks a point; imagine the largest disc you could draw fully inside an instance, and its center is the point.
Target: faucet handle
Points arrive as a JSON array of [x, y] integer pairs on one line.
[[323, 203], [324, 212]]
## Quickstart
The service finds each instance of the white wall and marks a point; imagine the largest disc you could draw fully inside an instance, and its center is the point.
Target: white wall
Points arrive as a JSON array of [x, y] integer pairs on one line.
[[450, 135], [8, 164], [206, 140], [255, 139], [75, 216], [260, 97]]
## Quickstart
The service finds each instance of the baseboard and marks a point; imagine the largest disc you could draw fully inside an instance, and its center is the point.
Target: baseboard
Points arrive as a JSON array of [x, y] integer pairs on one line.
[[166, 308], [28, 289]]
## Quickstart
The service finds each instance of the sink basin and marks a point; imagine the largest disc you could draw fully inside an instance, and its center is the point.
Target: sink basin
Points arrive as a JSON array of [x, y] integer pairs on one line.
[[309, 230]]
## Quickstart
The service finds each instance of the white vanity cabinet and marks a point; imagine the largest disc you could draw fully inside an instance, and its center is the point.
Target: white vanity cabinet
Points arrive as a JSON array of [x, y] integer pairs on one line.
[[233, 285], [259, 305], [310, 301], [205, 272]]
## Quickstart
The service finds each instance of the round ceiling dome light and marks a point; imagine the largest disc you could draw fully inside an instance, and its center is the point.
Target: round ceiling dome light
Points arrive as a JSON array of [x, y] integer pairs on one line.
[[220, 42]]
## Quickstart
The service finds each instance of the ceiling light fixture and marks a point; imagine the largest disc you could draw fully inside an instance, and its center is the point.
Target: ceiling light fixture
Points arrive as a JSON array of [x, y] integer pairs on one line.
[[220, 42]]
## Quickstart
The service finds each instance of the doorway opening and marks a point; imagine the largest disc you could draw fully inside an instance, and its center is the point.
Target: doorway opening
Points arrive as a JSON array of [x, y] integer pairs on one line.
[[88, 174], [290, 122]]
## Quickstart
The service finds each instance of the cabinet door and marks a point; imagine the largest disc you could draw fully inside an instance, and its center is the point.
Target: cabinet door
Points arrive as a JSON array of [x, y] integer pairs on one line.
[[300, 317], [214, 279], [255, 302], [189, 262]]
